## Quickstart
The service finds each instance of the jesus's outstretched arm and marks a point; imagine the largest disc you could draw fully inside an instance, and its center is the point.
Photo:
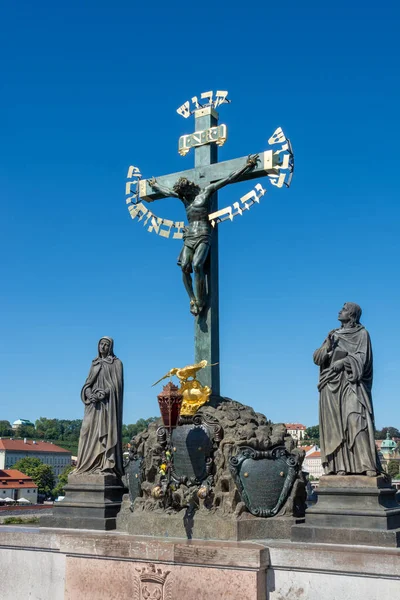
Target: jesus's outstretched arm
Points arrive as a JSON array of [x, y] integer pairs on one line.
[[162, 189], [250, 164]]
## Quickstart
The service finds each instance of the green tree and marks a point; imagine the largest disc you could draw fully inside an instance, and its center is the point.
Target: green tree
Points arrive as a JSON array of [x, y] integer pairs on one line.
[[72, 430], [41, 474], [311, 434], [380, 434], [58, 429], [27, 465], [393, 468], [129, 431], [62, 481], [48, 428], [5, 428], [26, 431]]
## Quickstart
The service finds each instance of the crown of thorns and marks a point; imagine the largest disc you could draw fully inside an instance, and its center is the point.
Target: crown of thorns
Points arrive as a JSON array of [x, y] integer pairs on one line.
[[184, 183]]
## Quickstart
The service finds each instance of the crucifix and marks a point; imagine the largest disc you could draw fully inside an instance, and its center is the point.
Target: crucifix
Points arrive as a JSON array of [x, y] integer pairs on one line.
[[198, 189]]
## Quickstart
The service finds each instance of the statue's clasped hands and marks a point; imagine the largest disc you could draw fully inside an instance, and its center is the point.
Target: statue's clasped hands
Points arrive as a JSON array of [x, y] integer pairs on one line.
[[98, 395], [101, 395]]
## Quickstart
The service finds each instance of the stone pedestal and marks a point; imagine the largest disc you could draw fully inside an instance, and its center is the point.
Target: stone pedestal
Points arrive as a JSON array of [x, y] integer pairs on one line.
[[91, 502], [352, 509], [204, 525]]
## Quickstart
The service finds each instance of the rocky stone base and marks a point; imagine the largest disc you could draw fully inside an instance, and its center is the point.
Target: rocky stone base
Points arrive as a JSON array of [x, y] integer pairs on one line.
[[352, 509], [201, 453], [91, 502]]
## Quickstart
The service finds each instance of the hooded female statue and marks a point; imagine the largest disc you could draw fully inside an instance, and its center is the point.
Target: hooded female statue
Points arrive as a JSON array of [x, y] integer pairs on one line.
[[346, 416], [100, 447]]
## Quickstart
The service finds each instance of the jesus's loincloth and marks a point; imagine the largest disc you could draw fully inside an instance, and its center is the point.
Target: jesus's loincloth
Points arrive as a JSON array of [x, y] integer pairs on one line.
[[192, 240]]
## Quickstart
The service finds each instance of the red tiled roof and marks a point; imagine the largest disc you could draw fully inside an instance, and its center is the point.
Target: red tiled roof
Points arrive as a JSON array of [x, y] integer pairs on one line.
[[295, 426], [11, 478], [13, 474], [29, 446], [316, 454]]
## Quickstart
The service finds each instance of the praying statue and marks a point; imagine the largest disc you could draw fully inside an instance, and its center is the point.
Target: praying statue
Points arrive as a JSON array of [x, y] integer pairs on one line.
[[197, 235], [100, 441], [346, 416]]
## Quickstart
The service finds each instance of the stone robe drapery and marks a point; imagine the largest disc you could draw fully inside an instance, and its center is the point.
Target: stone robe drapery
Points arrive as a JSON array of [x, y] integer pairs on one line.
[[345, 409], [100, 442]]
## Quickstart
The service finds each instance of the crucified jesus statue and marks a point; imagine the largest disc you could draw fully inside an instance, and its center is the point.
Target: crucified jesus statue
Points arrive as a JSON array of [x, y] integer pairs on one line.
[[197, 235]]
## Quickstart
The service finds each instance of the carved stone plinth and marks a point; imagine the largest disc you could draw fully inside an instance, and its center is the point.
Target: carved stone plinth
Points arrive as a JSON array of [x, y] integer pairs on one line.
[[204, 526], [352, 509], [91, 502]]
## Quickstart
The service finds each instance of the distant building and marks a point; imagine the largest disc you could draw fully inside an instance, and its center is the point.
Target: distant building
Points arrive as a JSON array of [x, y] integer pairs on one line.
[[309, 449], [16, 485], [388, 451], [312, 463], [17, 424], [388, 448], [12, 450], [296, 430]]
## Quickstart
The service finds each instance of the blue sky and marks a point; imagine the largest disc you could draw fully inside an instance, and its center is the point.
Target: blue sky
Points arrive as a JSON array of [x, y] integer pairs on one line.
[[88, 88]]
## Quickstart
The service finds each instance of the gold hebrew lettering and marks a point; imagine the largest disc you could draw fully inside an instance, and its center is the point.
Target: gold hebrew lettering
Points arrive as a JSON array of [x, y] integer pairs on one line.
[[221, 215], [284, 148], [277, 137], [184, 110], [208, 95], [128, 189], [155, 224], [285, 158], [237, 207], [168, 224], [285, 162], [252, 196], [138, 209], [196, 102], [277, 181], [133, 172], [178, 235], [149, 216], [260, 191], [220, 98]]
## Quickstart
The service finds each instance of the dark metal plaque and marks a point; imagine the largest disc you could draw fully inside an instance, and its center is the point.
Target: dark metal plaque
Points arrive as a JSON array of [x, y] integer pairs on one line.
[[133, 472], [192, 448], [264, 479]]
